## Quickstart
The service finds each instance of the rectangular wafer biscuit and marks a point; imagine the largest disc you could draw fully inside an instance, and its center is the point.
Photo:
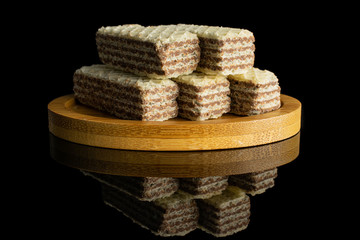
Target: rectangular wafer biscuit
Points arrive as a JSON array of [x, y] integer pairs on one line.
[[125, 95], [254, 92], [202, 96], [154, 51], [224, 50]]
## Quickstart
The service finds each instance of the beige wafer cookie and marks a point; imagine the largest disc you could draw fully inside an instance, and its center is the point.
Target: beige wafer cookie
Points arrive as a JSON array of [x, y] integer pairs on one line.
[[224, 50], [254, 92], [154, 51], [202, 96], [125, 95]]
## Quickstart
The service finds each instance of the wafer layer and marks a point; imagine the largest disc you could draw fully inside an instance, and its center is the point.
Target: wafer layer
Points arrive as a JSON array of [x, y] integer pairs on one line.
[[223, 50], [254, 92], [203, 97], [176, 215], [142, 188], [154, 51], [256, 182], [125, 95], [225, 214], [205, 187]]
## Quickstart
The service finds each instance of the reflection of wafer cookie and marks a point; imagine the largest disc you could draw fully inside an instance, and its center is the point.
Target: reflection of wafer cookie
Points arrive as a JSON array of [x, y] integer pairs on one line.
[[125, 95], [176, 215], [204, 187], [256, 182], [203, 97], [224, 214], [142, 188]]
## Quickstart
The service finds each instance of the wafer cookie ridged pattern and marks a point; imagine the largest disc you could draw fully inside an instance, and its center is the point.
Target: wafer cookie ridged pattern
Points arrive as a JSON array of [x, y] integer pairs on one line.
[[254, 92], [154, 51], [203, 97], [224, 50], [125, 95]]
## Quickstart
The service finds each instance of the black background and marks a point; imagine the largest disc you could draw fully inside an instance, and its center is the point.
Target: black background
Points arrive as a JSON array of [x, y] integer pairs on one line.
[[55, 200]]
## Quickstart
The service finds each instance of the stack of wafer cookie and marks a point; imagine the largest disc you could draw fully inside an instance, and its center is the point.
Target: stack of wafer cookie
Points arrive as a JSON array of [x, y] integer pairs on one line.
[[198, 58], [173, 50]]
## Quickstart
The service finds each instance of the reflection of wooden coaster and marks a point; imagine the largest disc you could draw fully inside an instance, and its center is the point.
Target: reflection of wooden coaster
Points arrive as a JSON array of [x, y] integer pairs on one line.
[[76, 123], [175, 164]]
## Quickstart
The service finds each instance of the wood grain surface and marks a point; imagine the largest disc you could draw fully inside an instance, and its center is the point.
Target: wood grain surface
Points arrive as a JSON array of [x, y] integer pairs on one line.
[[175, 163], [77, 123]]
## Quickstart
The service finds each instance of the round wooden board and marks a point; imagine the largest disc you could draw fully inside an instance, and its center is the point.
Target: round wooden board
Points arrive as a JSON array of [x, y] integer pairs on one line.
[[176, 163], [77, 123]]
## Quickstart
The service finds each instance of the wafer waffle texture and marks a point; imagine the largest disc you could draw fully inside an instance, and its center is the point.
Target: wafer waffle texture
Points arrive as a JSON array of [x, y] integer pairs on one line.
[[155, 51], [202, 97], [172, 50], [176, 51], [125, 95], [224, 50], [254, 92], [196, 96]]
